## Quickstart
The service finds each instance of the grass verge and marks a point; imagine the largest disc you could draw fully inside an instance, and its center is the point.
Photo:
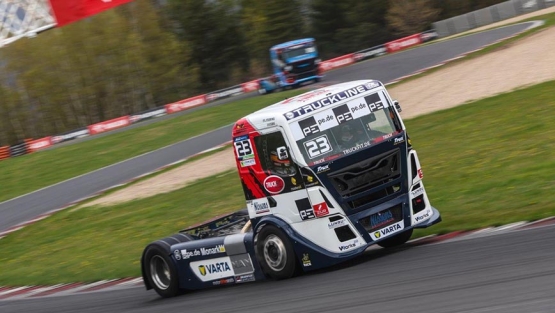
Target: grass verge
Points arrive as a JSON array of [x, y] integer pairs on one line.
[[489, 162], [31, 172]]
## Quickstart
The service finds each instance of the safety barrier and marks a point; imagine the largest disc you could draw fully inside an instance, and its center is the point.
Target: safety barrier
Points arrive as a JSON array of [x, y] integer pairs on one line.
[[30, 146]]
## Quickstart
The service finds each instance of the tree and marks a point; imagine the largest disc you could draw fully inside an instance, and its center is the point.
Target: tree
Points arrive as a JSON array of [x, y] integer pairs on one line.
[[407, 17]]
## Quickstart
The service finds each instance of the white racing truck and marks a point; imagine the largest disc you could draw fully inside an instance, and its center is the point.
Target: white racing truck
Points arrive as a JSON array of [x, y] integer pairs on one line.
[[325, 175]]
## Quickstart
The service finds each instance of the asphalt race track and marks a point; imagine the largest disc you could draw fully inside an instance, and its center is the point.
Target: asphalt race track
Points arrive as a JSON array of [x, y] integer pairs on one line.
[[509, 272]]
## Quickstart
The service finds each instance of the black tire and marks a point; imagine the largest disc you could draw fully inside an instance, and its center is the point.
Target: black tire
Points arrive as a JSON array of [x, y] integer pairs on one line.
[[396, 240], [160, 272], [275, 253]]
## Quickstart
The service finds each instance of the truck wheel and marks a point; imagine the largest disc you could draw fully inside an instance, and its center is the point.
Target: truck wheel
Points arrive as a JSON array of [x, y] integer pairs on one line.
[[161, 272], [275, 253], [396, 240]]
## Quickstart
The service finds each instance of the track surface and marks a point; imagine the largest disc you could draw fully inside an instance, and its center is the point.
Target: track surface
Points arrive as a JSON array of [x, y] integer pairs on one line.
[[508, 272], [386, 69]]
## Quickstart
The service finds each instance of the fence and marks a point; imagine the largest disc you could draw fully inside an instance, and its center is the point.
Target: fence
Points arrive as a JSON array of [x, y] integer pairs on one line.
[[489, 15]]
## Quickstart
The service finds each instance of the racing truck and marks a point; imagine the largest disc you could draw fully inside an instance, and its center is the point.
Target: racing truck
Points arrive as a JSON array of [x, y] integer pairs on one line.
[[325, 175], [293, 63]]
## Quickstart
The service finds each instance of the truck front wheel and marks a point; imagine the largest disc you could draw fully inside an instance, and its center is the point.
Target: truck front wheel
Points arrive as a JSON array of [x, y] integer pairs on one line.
[[275, 253], [396, 240]]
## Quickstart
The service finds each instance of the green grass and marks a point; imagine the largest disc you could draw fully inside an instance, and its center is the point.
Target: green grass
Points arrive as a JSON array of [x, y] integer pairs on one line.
[[31, 172], [490, 162]]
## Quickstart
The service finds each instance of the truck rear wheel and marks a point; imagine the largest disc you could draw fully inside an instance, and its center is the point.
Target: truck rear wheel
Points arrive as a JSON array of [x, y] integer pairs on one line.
[[160, 272], [275, 253], [396, 240]]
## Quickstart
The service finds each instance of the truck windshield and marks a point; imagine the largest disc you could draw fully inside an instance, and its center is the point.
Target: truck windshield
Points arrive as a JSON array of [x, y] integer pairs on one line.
[[299, 50], [345, 129]]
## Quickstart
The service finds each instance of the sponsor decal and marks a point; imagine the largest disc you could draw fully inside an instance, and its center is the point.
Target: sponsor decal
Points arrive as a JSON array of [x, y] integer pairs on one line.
[[248, 162], [321, 209], [379, 219], [250, 86], [143, 116], [398, 140], [329, 100], [422, 217], [224, 93], [214, 268], [403, 43], [274, 184], [186, 254], [306, 260], [185, 104], [69, 136], [417, 192], [109, 125], [361, 55], [241, 264], [357, 147], [348, 246], [260, 206], [386, 231], [337, 62], [307, 214], [323, 168], [38, 144], [177, 255], [338, 223], [244, 278], [224, 281], [420, 174]]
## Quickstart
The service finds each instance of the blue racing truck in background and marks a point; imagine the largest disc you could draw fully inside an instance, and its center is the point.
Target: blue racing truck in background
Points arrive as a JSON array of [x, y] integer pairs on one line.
[[293, 63]]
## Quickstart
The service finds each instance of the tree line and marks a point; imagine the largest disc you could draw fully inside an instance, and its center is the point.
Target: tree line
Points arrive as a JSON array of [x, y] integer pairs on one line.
[[152, 52]]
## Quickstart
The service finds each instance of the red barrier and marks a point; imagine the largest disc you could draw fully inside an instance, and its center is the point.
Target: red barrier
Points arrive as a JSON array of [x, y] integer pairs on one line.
[[334, 63], [109, 125], [250, 86], [4, 152], [35, 145], [185, 104], [403, 43]]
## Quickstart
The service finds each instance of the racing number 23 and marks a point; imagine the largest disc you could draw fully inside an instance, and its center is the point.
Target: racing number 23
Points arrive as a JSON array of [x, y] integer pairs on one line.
[[243, 148], [317, 146]]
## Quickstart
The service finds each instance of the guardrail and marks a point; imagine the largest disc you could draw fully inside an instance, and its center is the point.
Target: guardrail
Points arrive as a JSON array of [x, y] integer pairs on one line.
[[30, 145]]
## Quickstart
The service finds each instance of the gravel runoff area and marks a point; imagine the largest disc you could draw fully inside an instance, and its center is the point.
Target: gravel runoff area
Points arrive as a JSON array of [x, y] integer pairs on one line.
[[525, 62]]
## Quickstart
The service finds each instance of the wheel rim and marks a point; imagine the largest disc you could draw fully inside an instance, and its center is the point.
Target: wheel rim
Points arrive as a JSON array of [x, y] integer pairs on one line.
[[160, 272], [274, 253]]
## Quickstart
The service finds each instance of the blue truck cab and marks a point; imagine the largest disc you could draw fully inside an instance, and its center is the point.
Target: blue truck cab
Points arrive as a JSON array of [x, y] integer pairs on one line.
[[293, 63]]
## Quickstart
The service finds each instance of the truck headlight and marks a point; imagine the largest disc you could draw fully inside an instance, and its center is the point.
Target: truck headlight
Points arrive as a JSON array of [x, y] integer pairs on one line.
[[288, 68]]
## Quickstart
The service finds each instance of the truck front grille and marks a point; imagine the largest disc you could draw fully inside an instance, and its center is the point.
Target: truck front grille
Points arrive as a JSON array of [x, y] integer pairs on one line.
[[369, 180]]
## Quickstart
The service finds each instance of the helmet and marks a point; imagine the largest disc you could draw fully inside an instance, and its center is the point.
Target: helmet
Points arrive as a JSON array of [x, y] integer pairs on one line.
[[277, 162], [347, 134]]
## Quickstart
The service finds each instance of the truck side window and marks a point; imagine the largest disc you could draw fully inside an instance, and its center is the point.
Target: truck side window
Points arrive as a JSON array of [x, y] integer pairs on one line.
[[274, 157]]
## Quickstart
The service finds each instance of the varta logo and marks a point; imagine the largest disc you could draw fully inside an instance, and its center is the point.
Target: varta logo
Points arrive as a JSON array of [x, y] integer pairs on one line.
[[214, 268]]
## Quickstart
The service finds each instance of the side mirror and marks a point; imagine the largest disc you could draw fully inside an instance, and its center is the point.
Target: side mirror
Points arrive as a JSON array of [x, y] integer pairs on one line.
[[397, 106]]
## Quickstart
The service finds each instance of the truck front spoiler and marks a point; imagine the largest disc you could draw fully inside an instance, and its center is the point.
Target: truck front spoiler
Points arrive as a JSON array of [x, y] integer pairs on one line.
[[436, 218]]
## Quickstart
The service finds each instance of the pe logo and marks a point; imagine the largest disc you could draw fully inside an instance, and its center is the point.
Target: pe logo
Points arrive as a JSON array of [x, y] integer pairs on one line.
[[202, 270]]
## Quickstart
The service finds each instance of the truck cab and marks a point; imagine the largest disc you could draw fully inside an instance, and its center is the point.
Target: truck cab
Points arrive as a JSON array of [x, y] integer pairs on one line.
[[293, 63], [335, 170]]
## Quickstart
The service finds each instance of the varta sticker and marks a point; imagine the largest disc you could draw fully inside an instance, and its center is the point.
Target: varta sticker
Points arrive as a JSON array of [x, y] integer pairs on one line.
[[212, 269], [387, 231]]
